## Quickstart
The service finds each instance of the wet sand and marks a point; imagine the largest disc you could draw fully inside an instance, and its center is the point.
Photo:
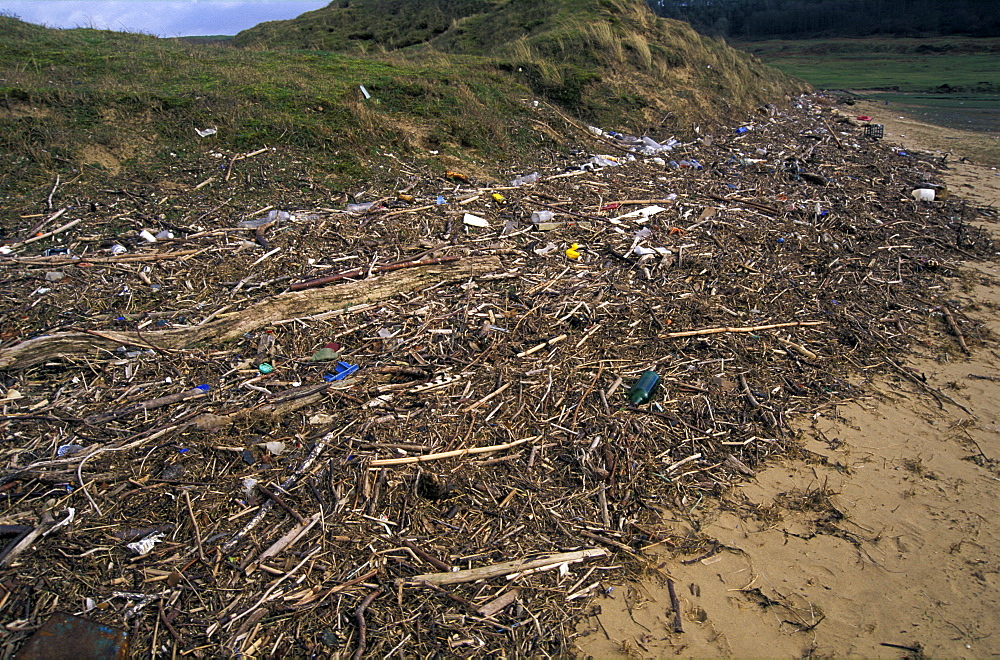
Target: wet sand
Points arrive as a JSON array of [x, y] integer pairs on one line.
[[879, 540]]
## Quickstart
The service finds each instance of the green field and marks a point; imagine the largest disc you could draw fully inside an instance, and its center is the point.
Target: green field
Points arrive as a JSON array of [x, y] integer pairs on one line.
[[905, 65], [953, 82]]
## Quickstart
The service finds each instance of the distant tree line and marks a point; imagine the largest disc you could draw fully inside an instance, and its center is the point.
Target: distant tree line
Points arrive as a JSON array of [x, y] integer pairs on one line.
[[773, 19]]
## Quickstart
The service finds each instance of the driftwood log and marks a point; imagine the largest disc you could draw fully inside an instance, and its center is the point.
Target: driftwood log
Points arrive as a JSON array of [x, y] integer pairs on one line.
[[293, 304]]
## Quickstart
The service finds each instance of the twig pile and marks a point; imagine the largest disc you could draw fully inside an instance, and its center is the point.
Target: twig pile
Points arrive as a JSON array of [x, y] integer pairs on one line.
[[187, 470]]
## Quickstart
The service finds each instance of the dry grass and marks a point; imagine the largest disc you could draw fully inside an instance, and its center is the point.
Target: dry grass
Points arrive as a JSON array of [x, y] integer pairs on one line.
[[640, 47]]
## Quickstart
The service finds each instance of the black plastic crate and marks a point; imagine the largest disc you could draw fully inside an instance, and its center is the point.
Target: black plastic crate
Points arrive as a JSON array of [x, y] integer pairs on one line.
[[875, 131]]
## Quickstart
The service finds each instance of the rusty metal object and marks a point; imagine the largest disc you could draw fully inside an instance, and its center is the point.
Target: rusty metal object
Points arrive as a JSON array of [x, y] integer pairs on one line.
[[68, 636]]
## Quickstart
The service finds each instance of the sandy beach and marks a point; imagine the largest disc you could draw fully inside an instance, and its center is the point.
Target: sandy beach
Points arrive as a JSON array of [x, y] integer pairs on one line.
[[878, 539]]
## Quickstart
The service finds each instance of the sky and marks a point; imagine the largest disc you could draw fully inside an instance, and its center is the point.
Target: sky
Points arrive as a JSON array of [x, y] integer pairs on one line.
[[161, 18]]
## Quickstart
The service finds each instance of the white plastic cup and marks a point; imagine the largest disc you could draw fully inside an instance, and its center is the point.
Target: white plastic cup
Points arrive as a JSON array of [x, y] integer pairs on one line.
[[542, 216]]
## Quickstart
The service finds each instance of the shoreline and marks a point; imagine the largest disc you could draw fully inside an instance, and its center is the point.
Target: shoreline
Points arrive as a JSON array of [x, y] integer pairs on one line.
[[876, 540], [972, 158]]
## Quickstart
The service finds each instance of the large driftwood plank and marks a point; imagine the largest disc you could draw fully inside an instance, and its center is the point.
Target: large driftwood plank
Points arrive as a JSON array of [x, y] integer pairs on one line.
[[292, 304]]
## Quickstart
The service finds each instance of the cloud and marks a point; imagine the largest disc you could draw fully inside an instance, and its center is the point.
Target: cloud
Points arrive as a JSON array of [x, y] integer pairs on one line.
[[158, 17]]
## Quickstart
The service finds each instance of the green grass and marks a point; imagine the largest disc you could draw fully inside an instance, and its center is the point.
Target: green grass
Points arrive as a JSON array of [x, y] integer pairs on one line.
[[129, 94], [906, 65]]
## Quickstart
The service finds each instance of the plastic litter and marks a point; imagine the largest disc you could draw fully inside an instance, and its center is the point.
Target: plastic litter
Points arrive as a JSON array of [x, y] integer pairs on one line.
[[475, 221], [642, 214], [271, 218], [604, 161], [924, 194], [541, 216], [12, 395], [341, 371], [573, 251], [527, 178], [147, 236], [145, 545], [274, 447], [206, 131], [360, 208]]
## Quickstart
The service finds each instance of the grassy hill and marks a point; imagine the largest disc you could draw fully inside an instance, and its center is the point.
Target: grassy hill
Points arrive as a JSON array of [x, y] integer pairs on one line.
[[605, 60], [449, 82]]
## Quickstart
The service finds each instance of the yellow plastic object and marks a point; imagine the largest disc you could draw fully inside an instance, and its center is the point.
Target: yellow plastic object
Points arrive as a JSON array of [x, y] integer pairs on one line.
[[497, 197], [573, 252]]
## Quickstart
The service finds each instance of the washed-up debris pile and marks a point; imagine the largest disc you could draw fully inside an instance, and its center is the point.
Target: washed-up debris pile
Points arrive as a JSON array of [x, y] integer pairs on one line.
[[415, 424]]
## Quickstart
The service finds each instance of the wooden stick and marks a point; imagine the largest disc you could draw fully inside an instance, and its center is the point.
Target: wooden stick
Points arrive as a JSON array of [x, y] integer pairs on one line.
[[26, 542], [549, 342], [426, 556], [194, 523], [954, 328], [280, 502], [151, 404], [939, 396], [332, 590], [754, 328], [566, 211], [487, 397], [360, 618], [606, 541], [748, 202], [286, 541], [675, 604], [586, 130], [449, 454], [505, 568], [636, 202], [751, 399], [833, 135], [285, 485], [37, 228], [57, 230]]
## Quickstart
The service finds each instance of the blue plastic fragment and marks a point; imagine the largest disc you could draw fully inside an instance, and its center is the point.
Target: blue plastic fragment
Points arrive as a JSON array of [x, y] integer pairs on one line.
[[341, 371], [441, 200], [203, 388]]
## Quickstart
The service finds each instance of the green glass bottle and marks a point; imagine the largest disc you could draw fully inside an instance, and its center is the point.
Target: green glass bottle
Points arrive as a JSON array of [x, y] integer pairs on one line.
[[643, 389]]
